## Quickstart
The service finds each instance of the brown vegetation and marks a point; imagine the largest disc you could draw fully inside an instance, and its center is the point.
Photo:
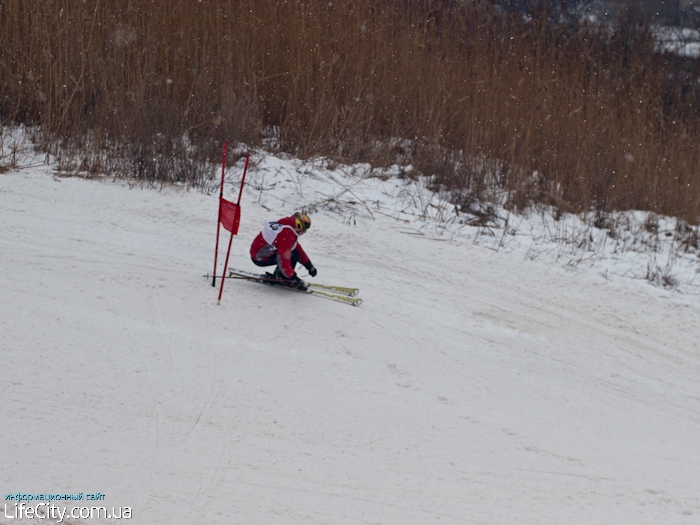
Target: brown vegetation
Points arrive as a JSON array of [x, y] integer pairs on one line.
[[574, 117]]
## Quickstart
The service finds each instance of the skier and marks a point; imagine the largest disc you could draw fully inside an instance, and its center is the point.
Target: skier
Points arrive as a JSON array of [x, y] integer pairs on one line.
[[278, 244]]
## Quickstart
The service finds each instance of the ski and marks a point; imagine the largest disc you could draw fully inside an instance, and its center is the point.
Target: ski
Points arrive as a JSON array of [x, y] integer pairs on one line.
[[335, 293], [352, 301], [335, 290], [339, 290]]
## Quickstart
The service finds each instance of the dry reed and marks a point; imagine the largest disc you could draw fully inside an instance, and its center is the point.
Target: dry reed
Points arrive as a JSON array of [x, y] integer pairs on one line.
[[484, 103]]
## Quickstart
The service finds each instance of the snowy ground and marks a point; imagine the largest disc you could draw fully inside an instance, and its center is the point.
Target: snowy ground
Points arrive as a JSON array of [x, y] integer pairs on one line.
[[486, 379]]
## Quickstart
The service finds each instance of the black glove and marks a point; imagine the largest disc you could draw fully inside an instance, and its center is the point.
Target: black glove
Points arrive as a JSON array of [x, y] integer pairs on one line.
[[311, 269]]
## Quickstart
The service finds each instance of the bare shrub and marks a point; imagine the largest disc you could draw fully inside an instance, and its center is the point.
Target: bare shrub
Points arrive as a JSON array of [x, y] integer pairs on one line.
[[688, 236]]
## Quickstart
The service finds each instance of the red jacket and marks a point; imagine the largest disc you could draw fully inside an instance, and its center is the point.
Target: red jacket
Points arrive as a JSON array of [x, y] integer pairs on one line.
[[283, 240]]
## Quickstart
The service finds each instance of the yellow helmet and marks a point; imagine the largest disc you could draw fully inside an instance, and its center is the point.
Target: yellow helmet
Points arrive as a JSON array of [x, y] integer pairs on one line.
[[302, 222]]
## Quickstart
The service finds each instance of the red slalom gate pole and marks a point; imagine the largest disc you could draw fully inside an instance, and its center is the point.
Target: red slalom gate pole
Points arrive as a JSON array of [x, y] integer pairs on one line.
[[218, 219], [245, 170], [234, 228], [223, 277]]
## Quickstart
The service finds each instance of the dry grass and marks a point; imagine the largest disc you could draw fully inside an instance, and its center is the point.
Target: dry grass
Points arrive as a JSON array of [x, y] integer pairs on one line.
[[580, 119]]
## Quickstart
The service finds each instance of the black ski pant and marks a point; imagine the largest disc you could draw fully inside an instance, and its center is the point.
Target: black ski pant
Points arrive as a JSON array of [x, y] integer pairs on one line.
[[275, 260]]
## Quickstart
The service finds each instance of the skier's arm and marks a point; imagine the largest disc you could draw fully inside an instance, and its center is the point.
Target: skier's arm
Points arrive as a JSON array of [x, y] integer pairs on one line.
[[304, 260], [285, 242]]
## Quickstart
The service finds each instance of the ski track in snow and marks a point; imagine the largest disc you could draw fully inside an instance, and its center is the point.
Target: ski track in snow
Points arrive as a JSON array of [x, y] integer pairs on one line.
[[471, 387]]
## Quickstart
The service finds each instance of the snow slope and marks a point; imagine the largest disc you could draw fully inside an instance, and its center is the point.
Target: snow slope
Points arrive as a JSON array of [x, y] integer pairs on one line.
[[474, 384]]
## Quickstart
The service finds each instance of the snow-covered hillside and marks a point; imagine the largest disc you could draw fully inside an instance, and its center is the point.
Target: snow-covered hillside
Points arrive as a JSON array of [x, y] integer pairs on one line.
[[487, 378]]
